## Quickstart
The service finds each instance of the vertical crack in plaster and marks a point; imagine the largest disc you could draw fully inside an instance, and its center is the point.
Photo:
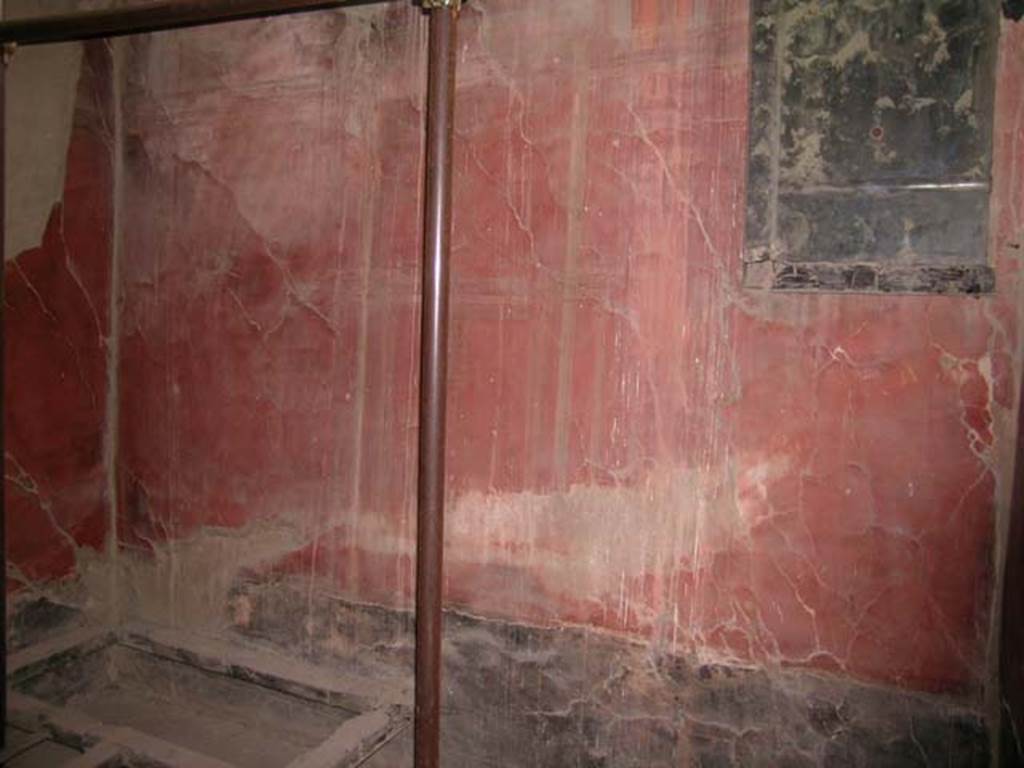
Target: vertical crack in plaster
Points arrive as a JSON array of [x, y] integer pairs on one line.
[[76, 277], [680, 192], [574, 214], [110, 442], [28, 485], [367, 244]]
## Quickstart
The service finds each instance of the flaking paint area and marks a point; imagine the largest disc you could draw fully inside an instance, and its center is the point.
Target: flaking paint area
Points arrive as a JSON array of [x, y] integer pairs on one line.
[[636, 444], [56, 338]]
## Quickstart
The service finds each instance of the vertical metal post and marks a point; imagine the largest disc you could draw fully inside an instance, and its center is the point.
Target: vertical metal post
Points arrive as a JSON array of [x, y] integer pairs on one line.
[[433, 372], [3, 392]]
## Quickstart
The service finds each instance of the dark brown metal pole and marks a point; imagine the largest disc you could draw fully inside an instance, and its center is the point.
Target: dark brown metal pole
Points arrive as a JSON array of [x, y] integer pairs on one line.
[[433, 373], [3, 390], [153, 17]]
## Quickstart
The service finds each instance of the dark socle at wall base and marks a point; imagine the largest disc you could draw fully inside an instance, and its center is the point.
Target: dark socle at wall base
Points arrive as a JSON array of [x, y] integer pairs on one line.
[[34, 620], [525, 696]]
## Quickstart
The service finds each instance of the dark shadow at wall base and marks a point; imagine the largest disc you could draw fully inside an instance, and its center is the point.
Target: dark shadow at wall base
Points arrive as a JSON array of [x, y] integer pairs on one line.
[[1011, 750], [518, 695], [32, 621]]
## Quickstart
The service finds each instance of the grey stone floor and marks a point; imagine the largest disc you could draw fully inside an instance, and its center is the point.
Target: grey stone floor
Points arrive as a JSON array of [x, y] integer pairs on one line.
[[29, 750]]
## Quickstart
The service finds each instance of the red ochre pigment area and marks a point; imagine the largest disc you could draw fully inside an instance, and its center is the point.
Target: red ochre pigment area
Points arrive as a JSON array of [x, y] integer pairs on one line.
[[56, 334], [636, 443]]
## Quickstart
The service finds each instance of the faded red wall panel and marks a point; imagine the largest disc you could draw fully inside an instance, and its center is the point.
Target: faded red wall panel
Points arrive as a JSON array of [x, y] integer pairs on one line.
[[635, 443], [270, 316], [56, 326]]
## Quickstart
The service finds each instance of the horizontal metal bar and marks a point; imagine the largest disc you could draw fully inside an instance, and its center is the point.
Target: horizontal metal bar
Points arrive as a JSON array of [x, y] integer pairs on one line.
[[153, 17]]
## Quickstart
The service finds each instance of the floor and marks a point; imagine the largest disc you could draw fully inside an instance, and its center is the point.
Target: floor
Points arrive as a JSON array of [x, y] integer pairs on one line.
[[395, 754], [135, 700], [228, 719], [242, 724], [26, 749]]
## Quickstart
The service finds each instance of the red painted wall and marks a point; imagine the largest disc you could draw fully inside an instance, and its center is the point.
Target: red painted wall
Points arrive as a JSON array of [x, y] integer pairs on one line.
[[56, 333], [636, 443]]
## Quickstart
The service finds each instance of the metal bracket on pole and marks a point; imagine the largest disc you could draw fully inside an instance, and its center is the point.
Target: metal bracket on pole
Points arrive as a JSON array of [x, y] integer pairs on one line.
[[429, 5]]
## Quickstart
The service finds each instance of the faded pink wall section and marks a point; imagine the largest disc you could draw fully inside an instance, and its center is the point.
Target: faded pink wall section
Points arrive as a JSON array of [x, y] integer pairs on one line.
[[57, 329], [635, 443]]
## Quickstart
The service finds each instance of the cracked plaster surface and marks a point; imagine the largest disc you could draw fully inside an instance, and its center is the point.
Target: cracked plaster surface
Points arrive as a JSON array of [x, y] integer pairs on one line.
[[58, 336], [636, 445]]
